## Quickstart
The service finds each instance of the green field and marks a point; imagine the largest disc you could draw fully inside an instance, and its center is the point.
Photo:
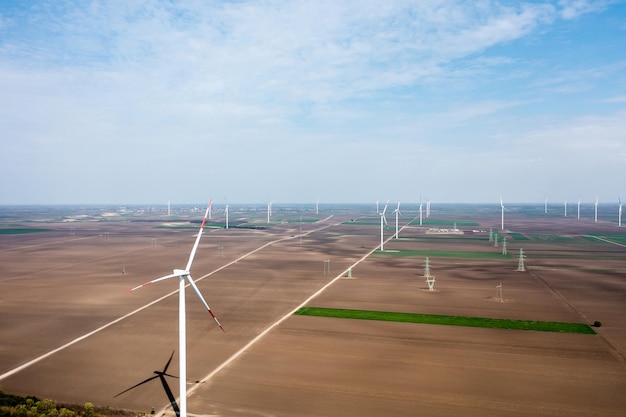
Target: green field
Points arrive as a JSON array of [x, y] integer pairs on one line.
[[440, 222], [540, 326], [442, 253], [20, 231], [517, 236]]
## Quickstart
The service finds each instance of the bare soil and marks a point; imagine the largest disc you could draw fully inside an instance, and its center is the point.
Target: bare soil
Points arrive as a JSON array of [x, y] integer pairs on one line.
[[60, 285]]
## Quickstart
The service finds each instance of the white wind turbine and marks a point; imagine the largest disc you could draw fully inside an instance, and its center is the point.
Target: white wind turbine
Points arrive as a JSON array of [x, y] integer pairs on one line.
[[421, 211], [579, 209], [545, 206], [383, 219], [565, 208], [269, 211], [596, 210], [183, 275], [397, 212], [377, 211], [619, 219], [502, 209], [226, 213]]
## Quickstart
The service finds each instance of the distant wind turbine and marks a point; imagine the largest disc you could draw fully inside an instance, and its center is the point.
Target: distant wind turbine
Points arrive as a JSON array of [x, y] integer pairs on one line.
[[545, 206], [420, 210], [226, 212], [596, 210], [502, 210], [579, 209], [565, 208], [619, 221], [269, 211], [397, 212], [382, 219]]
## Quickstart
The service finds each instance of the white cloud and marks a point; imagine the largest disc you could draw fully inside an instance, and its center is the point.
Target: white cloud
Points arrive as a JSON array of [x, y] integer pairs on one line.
[[255, 90], [572, 9]]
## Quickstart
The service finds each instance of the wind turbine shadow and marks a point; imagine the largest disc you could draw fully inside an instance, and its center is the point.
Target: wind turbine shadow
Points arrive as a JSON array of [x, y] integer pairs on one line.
[[161, 375]]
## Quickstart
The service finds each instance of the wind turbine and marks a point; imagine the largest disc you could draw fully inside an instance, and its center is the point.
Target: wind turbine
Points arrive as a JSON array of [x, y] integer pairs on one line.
[[225, 211], [161, 375], [579, 209], [565, 208], [184, 275], [545, 206], [502, 209], [596, 210], [427, 208], [397, 212], [619, 221], [269, 211], [420, 210], [382, 219], [317, 206], [377, 211]]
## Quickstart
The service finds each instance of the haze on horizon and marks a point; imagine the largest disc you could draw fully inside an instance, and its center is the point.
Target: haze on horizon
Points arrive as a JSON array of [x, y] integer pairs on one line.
[[346, 102]]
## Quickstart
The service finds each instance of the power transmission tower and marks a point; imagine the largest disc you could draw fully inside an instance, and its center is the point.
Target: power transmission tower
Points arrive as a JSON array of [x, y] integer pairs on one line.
[[520, 265]]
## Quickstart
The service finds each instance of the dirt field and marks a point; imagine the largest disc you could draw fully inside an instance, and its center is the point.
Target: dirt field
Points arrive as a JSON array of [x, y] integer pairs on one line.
[[70, 281]]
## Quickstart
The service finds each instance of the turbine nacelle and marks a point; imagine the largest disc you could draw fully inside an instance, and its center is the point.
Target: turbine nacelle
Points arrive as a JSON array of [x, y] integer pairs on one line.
[[181, 273]]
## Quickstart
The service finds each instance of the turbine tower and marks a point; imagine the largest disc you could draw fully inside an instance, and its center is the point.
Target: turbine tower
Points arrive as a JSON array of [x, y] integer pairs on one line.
[[383, 219], [502, 210], [545, 206], [565, 208], [579, 209], [269, 211], [619, 212], [317, 206], [226, 213], [427, 208], [420, 211], [596, 210], [184, 275], [397, 212]]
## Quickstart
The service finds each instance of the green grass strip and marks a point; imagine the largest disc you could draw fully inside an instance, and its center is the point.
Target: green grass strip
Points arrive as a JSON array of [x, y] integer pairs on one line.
[[16, 231], [518, 236], [442, 253], [441, 222], [540, 326]]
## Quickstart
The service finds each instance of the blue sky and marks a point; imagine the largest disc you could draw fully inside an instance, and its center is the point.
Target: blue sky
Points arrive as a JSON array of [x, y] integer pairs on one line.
[[293, 101]]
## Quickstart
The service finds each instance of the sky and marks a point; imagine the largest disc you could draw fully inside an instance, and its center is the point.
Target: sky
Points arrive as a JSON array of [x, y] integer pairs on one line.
[[132, 102]]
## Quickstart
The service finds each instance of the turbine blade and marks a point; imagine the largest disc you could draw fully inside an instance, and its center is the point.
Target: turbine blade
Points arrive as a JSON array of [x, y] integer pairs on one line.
[[199, 294], [195, 246], [168, 364], [136, 385], [152, 282]]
